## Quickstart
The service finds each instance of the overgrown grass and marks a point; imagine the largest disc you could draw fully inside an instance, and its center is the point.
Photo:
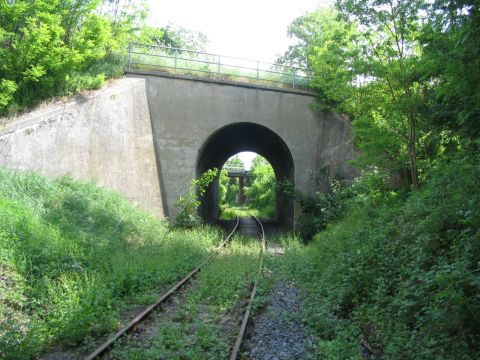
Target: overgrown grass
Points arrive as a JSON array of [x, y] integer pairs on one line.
[[401, 274], [73, 256], [205, 323], [228, 212]]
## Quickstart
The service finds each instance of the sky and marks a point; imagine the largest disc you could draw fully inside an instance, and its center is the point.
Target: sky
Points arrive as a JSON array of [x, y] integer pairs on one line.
[[251, 29]]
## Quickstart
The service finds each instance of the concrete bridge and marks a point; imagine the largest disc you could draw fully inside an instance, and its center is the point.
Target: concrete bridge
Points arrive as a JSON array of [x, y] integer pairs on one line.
[[148, 135]]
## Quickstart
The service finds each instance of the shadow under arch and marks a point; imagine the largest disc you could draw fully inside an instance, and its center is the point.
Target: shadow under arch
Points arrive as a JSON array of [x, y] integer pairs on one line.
[[245, 136]]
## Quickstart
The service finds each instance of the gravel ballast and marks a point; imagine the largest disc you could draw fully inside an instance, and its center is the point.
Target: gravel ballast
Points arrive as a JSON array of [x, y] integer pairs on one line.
[[278, 333]]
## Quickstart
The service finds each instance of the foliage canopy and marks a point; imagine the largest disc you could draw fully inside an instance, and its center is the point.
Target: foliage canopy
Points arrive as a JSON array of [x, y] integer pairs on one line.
[[58, 47]]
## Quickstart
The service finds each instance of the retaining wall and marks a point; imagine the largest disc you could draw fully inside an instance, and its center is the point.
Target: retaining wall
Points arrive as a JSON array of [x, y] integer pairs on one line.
[[104, 136]]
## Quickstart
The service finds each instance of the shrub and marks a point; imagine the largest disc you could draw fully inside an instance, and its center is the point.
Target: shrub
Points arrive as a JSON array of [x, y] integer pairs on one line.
[[188, 216], [73, 256], [399, 272]]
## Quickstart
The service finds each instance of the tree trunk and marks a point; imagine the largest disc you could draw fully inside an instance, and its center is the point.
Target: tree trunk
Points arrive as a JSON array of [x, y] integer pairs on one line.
[[411, 150]]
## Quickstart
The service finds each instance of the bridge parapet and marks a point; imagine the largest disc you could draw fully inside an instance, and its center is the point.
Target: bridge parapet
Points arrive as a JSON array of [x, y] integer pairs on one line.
[[188, 62]]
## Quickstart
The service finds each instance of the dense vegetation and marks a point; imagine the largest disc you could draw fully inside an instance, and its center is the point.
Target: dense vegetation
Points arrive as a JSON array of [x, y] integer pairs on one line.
[[73, 257], [405, 72], [228, 186], [204, 323], [399, 273], [260, 189], [58, 47], [393, 270]]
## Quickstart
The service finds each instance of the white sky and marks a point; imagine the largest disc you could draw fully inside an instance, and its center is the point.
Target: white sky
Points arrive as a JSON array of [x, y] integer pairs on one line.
[[247, 157], [251, 29]]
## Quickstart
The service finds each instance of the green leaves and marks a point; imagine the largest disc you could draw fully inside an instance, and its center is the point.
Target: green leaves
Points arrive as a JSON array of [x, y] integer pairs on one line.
[[262, 188], [399, 272], [187, 216], [74, 256], [7, 89], [58, 47]]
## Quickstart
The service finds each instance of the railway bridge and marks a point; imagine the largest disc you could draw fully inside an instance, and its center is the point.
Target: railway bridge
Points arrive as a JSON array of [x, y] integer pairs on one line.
[[147, 136]]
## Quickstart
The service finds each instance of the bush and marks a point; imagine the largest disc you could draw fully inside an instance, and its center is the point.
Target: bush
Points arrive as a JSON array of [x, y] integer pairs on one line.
[[55, 48], [188, 216], [74, 256], [399, 272]]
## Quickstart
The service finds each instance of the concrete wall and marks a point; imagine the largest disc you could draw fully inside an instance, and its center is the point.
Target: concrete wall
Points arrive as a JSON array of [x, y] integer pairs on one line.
[[105, 136], [186, 112], [142, 135]]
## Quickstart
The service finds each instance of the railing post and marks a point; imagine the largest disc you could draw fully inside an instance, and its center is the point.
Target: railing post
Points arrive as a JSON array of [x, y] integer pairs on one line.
[[258, 76], [218, 66], [176, 59], [293, 78], [129, 55]]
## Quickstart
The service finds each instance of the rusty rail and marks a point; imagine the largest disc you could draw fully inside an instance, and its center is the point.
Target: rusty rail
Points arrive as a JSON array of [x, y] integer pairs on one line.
[[149, 309], [246, 316]]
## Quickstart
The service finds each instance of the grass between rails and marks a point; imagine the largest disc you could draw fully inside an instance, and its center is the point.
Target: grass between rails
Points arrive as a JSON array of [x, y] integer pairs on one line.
[[231, 212], [205, 323], [400, 273], [74, 256]]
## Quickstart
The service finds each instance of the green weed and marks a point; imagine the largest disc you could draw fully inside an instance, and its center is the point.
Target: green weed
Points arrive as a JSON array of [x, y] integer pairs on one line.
[[204, 323], [231, 212], [400, 273], [73, 256]]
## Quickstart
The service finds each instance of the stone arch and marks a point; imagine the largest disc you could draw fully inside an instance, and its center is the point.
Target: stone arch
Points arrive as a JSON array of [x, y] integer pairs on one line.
[[246, 136]]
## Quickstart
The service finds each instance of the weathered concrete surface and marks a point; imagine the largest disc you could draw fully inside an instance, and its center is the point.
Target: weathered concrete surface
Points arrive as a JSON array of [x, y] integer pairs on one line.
[[147, 136], [185, 113], [105, 136]]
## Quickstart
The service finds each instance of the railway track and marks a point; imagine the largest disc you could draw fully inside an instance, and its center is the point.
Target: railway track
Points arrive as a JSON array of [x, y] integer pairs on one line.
[[247, 228], [246, 316]]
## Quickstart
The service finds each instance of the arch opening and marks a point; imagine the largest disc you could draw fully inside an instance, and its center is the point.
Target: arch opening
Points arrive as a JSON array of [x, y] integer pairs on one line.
[[247, 187], [240, 137]]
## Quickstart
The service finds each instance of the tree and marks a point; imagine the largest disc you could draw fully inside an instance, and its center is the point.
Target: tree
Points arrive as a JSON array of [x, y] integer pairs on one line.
[[303, 29], [58, 47], [173, 36], [229, 187], [364, 58], [261, 191], [451, 43], [391, 53]]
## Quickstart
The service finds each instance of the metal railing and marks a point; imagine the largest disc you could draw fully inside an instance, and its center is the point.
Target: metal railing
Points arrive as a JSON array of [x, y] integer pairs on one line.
[[234, 168], [189, 62]]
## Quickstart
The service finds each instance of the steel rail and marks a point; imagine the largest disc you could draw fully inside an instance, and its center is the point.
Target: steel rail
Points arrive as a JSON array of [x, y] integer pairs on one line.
[[148, 310], [299, 77], [165, 56], [246, 316]]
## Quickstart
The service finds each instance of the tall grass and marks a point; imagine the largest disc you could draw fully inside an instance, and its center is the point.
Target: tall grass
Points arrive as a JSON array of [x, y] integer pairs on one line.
[[228, 212], [205, 323], [400, 273], [73, 256]]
